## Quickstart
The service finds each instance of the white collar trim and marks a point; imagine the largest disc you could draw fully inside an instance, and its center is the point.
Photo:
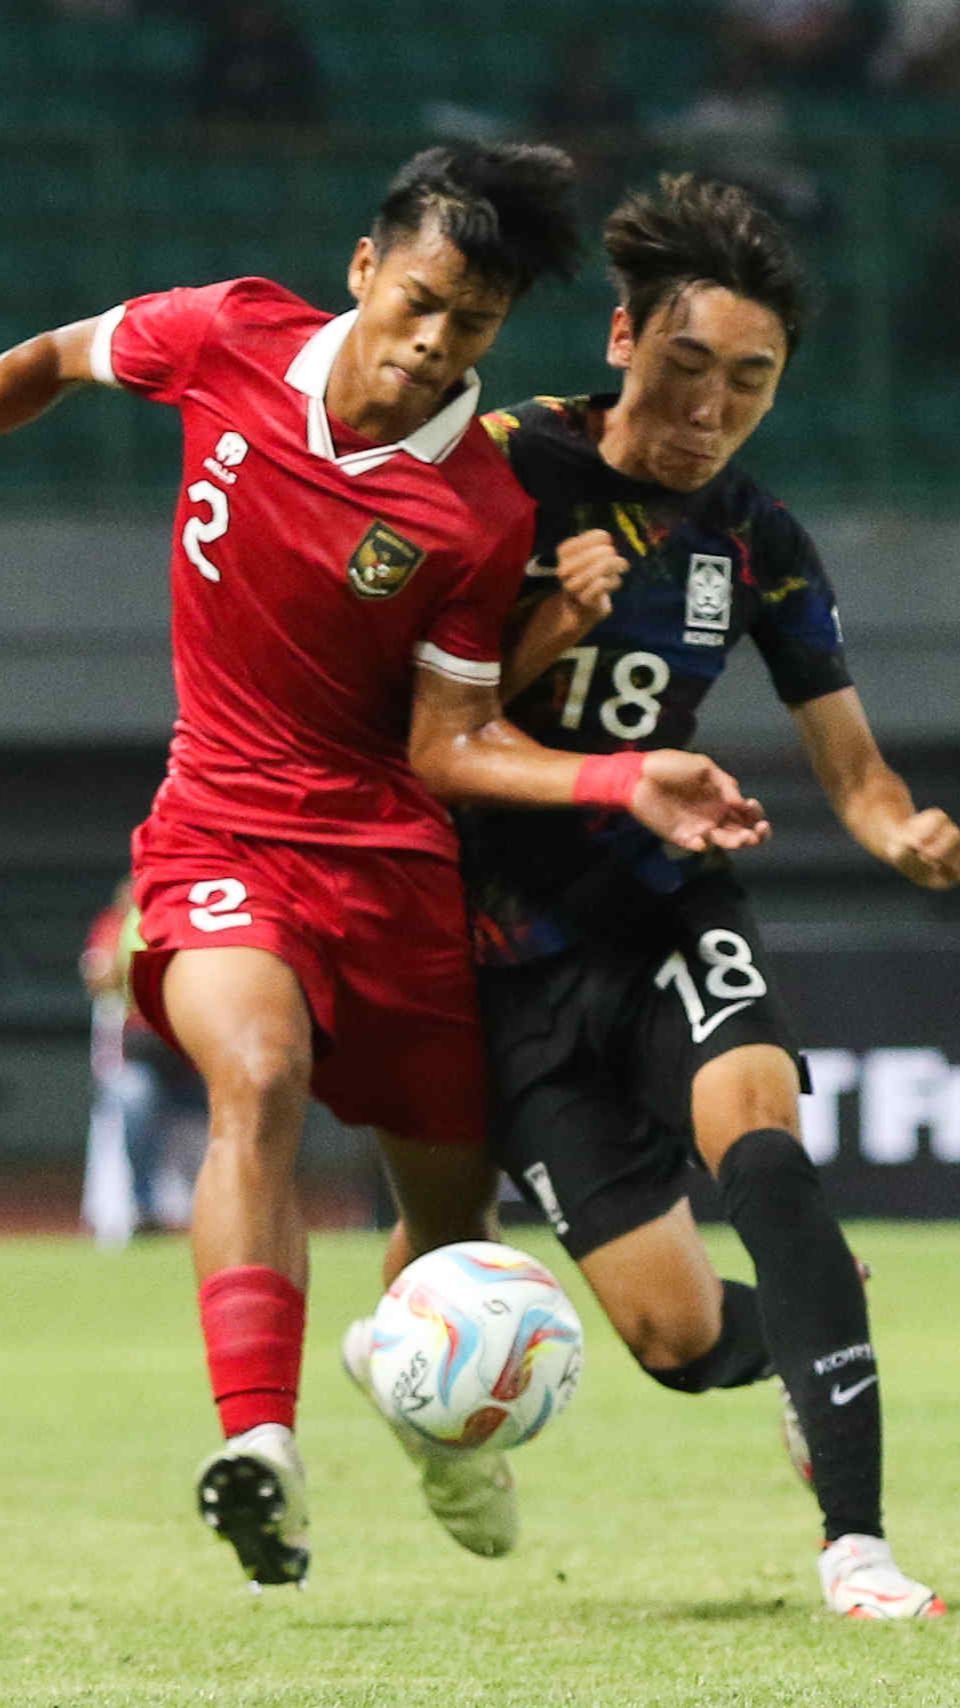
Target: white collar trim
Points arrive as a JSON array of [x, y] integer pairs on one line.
[[309, 372]]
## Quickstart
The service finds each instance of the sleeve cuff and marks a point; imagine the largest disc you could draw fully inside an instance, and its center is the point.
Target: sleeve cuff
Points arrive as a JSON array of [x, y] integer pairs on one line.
[[101, 354], [485, 674]]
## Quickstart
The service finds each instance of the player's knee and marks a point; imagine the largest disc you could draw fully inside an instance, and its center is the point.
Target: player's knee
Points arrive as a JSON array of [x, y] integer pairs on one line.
[[663, 1346], [746, 1090], [263, 1083]]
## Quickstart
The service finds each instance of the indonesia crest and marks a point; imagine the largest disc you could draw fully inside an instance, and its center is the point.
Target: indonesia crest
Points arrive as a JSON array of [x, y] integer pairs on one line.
[[383, 562]]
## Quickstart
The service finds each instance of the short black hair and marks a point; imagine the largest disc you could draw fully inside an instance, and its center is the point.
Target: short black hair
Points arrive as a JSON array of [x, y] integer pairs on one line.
[[696, 231], [509, 208]]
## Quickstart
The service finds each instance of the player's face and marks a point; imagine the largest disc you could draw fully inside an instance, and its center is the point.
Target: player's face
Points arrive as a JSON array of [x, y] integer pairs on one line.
[[424, 319], [698, 379]]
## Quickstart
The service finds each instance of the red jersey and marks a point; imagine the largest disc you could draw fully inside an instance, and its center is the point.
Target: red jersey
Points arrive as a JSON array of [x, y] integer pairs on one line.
[[308, 584]]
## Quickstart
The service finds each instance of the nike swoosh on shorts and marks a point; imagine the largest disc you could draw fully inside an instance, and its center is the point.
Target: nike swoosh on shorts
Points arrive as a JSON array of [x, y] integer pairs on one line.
[[701, 1029]]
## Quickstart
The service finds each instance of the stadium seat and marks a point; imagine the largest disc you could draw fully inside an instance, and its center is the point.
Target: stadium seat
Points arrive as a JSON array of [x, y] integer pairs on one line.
[[114, 194]]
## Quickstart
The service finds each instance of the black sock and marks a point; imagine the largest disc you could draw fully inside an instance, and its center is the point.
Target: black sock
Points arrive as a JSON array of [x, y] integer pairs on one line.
[[739, 1357], [814, 1318]]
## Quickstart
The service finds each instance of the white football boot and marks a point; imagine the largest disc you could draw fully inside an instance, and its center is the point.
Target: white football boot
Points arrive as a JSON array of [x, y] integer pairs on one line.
[[861, 1580], [471, 1493], [253, 1493]]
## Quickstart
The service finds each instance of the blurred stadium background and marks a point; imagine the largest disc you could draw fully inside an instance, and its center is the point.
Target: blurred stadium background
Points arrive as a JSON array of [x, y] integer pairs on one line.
[[152, 144]]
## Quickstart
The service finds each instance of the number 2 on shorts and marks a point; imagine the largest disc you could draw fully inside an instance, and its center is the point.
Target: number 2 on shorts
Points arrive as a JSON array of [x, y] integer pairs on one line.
[[218, 904]]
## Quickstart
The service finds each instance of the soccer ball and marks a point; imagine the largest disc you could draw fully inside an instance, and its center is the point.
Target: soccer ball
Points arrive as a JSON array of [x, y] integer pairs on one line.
[[474, 1344]]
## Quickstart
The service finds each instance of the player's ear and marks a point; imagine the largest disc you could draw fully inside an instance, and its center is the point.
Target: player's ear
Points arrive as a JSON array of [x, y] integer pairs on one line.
[[621, 341], [363, 265]]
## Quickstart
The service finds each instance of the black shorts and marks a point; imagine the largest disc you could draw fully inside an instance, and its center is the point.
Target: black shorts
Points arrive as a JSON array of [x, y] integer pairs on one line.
[[593, 1052]]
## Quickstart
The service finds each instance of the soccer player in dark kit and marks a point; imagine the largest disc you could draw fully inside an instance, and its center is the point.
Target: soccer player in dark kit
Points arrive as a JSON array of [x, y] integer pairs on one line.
[[627, 1000], [346, 545]]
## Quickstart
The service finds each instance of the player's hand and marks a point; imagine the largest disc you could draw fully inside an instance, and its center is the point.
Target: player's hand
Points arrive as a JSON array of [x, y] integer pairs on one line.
[[589, 571], [689, 801], [926, 849]]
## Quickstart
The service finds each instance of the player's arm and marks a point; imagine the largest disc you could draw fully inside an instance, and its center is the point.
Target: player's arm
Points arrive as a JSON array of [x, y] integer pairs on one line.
[[870, 799], [465, 750], [38, 373], [589, 571]]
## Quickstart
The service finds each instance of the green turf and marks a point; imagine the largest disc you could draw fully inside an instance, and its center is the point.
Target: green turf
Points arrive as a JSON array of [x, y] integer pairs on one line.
[[667, 1559]]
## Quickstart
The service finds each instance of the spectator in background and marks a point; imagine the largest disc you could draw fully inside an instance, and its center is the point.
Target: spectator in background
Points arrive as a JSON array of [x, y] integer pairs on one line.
[[587, 110], [921, 53], [921, 59], [258, 67], [141, 1092], [193, 11], [738, 128], [818, 47], [929, 313], [92, 8]]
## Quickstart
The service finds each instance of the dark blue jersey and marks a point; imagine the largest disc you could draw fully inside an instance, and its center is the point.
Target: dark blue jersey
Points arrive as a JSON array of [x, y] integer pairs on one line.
[[705, 569]]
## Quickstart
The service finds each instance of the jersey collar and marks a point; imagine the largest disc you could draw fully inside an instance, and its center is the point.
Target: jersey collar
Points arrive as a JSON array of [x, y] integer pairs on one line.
[[309, 372]]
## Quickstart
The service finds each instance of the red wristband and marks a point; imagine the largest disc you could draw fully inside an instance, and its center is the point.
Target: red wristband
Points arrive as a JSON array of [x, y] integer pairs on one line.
[[608, 779]]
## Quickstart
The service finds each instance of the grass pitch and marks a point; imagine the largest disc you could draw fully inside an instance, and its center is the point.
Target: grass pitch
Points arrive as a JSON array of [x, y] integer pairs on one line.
[[668, 1555]]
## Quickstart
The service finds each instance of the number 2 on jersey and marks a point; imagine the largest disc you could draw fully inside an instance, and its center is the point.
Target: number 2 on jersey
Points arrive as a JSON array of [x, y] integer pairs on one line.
[[639, 678], [198, 533]]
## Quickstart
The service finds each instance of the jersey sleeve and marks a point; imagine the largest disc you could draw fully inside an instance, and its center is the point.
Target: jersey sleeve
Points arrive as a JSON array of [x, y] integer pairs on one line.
[[465, 636], [510, 431], [500, 425], [150, 345], [534, 437], [797, 629]]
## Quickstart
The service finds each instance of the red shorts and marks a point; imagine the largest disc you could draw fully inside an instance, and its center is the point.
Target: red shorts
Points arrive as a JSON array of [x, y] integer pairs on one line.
[[378, 940]]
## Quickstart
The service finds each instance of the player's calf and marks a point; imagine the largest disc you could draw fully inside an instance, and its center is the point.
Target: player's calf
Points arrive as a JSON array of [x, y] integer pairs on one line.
[[814, 1320], [791, 1429]]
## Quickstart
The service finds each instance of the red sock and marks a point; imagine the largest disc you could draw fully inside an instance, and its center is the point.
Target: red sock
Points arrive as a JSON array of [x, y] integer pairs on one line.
[[253, 1323]]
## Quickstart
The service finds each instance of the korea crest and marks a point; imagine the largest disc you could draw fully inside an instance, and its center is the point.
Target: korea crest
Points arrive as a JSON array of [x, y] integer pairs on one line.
[[383, 563], [709, 591]]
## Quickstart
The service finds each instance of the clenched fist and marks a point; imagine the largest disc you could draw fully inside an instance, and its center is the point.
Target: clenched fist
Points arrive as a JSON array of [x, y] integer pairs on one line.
[[589, 571], [926, 849]]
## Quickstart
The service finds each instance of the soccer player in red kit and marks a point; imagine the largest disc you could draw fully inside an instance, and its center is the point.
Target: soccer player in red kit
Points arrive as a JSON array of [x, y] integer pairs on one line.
[[346, 547]]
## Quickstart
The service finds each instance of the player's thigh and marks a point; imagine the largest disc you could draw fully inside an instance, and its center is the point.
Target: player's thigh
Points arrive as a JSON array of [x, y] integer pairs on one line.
[[659, 1289], [566, 1126], [717, 1052], [238, 1011], [444, 1192], [409, 1052], [238, 943], [745, 1089]]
